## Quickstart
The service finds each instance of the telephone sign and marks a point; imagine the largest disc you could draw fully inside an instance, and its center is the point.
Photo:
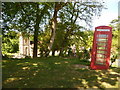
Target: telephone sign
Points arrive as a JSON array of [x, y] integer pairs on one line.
[[100, 58]]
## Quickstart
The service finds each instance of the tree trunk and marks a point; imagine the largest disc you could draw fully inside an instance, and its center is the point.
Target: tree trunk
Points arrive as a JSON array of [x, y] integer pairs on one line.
[[36, 32], [53, 53], [39, 16], [53, 27], [58, 6], [61, 52]]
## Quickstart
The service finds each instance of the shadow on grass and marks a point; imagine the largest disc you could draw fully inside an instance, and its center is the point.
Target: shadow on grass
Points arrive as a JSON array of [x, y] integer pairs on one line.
[[99, 78], [55, 73]]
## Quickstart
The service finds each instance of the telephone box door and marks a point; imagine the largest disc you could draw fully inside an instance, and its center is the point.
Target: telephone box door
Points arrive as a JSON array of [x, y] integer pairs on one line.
[[100, 58]]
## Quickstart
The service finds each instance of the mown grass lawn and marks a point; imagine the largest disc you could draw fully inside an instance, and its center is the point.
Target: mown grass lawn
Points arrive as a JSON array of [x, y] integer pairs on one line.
[[55, 72]]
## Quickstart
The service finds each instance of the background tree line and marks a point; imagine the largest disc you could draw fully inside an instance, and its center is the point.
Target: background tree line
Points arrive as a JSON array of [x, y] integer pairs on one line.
[[58, 25]]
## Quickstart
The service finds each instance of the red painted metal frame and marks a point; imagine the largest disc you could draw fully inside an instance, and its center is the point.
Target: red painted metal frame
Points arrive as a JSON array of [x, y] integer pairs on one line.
[[93, 65]]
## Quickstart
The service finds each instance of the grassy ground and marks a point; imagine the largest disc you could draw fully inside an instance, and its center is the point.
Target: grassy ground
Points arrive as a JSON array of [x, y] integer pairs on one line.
[[55, 72]]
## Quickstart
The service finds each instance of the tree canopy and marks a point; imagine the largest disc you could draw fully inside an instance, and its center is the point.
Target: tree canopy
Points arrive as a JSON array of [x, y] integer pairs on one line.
[[58, 25]]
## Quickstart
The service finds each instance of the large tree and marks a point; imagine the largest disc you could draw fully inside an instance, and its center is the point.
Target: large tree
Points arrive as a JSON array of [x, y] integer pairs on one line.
[[24, 17], [70, 15], [53, 22], [39, 17]]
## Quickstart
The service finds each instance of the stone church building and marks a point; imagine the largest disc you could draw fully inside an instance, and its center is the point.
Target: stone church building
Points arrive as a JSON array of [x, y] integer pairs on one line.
[[25, 46]]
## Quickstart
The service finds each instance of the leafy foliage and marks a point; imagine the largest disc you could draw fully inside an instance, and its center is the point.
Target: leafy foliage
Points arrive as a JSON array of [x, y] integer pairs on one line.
[[33, 18], [10, 42], [115, 28]]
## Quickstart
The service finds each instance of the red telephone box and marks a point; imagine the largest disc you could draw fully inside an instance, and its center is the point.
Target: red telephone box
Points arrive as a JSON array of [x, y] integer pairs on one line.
[[100, 58]]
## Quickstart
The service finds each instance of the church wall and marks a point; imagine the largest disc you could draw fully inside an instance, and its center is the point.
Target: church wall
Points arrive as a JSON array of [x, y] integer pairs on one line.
[[25, 48]]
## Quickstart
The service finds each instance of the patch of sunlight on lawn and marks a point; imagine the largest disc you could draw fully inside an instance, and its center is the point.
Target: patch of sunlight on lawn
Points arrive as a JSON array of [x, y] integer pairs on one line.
[[57, 63], [106, 85], [84, 82], [9, 80], [66, 62], [5, 61], [112, 72], [99, 78], [31, 64], [26, 68], [24, 63], [34, 64]]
